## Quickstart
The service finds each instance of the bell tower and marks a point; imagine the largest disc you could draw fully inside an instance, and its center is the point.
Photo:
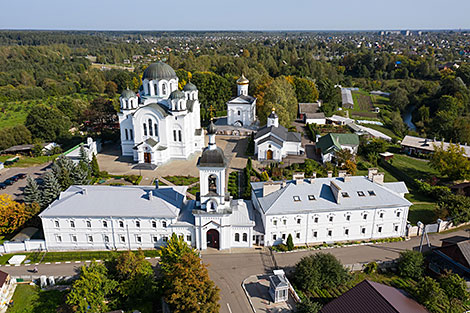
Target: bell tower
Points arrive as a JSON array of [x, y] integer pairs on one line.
[[212, 165]]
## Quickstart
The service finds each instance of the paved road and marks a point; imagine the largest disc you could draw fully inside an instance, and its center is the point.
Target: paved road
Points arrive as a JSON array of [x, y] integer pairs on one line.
[[16, 190], [228, 270]]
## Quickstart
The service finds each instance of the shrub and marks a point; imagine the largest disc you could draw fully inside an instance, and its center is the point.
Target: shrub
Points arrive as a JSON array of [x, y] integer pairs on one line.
[[371, 268], [290, 243], [411, 264]]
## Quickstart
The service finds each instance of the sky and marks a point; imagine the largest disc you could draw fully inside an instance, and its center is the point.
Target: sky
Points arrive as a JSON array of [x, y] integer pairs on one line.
[[234, 15]]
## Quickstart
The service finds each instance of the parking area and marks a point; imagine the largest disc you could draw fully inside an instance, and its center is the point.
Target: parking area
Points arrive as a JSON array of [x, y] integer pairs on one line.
[[16, 189]]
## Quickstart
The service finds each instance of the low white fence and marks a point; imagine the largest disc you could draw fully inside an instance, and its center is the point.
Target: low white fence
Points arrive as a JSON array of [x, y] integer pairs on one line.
[[437, 227], [23, 246]]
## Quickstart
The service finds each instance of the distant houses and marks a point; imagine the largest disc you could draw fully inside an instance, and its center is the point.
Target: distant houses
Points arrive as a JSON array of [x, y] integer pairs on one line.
[[328, 145], [418, 145], [346, 98], [310, 113]]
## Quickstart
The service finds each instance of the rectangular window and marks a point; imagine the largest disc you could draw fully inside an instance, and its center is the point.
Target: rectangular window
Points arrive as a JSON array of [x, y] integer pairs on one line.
[[155, 239], [381, 215], [345, 194], [58, 238], [284, 222], [188, 237], [361, 194], [164, 224], [346, 231], [56, 224], [154, 224], [106, 239], [398, 214], [396, 228], [131, 133], [105, 224], [137, 224], [311, 197], [88, 224], [348, 217], [145, 129], [275, 222], [274, 237], [174, 135], [297, 235], [330, 233], [150, 128], [379, 229], [296, 198], [180, 137], [316, 220], [74, 238], [330, 218], [364, 216], [315, 234], [139, 239], [72, 224], [121, 224], [155, 129], [90, 238], [299, 221], [127, 134], [363, 230], [122, 238], [283, 236]]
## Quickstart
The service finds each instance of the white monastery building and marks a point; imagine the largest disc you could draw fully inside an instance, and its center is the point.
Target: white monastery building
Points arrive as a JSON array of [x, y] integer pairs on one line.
[[162, 122], [241, 110], [275, 142]]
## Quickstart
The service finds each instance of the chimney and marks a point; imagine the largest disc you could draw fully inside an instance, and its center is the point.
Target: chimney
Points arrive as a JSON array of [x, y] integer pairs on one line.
[[284, 184], [84, 192], [342, 173], [156, 183], [372, 172], [378, 178], [314, 175], [270, 187], [299, 178], [335, 189], [330, 174], [150, 194], [347, 178]]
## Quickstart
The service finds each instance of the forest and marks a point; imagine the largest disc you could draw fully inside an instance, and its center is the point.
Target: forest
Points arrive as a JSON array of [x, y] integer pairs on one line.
[[55, 81]]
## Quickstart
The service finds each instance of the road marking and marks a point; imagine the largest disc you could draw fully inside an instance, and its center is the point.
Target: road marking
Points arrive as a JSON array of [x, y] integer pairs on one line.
[[58, 262], [68, 262], [147, 258], [77, 261], [87, 261], [17, 264], [47, 263], [27, 264], [7, 265], [229, 309], [98, 261]]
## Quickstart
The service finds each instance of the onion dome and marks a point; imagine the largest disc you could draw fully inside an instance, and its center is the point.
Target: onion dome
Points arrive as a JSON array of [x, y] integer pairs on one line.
[[273, 114], [211, 128], [242, 80], [189, 87], [159, 70], [177, 94], [126, 94]]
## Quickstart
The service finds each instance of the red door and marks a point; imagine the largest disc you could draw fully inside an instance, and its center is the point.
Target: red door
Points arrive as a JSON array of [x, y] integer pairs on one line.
[[213, 239]]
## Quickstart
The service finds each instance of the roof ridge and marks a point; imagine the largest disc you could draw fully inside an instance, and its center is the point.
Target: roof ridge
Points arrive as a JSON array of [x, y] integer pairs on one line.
[[283, 189], [380, 294]]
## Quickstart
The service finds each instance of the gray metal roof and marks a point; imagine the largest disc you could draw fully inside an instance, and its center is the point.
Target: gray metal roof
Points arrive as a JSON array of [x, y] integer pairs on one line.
[[157, 107], [212, 158], [242, 99], [189, 87], [177, 94], [271, 138], [125, 201], [282, 200], [281, 132], [159, 70], [126, 94]]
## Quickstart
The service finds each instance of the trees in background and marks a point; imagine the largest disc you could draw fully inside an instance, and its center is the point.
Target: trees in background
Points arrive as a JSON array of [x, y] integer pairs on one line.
[[16, 135], [48, 124], [31, 191], [452, 162], [185, 280], [50, 189]]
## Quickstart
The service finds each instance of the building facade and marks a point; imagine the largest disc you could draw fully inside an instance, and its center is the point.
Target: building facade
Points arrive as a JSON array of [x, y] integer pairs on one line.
[[161, 122], [275, 142], [241, 110]]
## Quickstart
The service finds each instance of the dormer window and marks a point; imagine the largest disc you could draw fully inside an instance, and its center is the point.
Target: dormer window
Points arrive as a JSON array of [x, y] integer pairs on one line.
[[361, 193], [345, 194], [296, 198], [371, 193], [311, 197]]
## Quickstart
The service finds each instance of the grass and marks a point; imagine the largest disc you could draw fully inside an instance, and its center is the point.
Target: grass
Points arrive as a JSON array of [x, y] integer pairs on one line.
[[415, 168], [35, 257], [194, 189], [27, 161], [423, 212], [182, 180], [30, 299]]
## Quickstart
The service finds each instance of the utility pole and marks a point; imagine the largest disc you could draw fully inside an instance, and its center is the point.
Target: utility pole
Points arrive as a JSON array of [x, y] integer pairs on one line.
[[423, 234]]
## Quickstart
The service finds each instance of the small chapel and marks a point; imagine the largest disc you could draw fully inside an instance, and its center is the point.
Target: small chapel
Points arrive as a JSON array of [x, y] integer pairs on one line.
[[241, 110], [160, 122]]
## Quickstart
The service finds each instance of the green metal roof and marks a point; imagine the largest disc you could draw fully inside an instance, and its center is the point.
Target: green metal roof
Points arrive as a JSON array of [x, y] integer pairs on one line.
[[333, 141]]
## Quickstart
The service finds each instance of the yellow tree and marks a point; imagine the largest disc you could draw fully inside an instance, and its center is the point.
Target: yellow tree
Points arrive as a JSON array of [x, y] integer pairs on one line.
[[13, 214]]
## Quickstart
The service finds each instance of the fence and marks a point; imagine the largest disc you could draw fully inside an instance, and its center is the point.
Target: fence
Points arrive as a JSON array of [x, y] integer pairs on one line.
[[23, 246]]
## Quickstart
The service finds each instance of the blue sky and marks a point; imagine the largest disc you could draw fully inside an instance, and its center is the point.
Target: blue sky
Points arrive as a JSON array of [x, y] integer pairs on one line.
[[234, 15]]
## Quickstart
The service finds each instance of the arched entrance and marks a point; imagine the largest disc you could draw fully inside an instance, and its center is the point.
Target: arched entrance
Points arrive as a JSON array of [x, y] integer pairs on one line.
[[238, 124], [213, 239], [269, 154]]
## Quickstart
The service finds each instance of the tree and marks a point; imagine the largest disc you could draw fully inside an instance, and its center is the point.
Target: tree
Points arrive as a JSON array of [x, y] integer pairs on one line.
[[451, 162], [188, 287], [95, 168], [51, 189], [320, 270], [63, 169], [429, 293], [305, 90], [411, 264], [48, 124], [280, 95], [172, 252], [454, 286], [13, 215], [89, 292], [308, 306], [399, 99], [455, 206], [31, 191], [290, 243], [101, 115], [135, 277]]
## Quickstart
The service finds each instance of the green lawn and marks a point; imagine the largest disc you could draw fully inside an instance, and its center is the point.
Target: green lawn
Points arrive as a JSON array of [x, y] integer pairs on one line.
[[26, 161], [182, 180], [423, 212], [194, 189], [415, 168], [68, 256], [30, 299]]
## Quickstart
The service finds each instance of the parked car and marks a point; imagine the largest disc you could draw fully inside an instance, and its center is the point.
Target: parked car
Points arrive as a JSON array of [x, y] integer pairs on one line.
[[21, 175], [3, 186], [8, 182], [14, 178]]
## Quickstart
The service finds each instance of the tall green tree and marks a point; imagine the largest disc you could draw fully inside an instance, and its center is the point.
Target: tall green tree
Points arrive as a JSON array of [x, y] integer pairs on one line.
[[411, 264], [454, 286], [89, 293], [51, 189], [399, 99], [31, 191], [48, 124], [452, 162]]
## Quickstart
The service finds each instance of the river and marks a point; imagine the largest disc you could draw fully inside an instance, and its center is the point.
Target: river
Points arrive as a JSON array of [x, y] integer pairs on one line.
[[407, 118]]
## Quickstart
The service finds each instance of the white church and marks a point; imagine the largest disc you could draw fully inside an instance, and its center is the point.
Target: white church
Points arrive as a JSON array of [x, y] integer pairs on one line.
[[162, 122], [241, 110]]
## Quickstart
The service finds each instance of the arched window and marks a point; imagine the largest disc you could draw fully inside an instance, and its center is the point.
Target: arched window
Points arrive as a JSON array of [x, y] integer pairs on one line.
[[237, 237], [155, 126], [180, 138], [127, 134], [163, 89], [239, 112], [150, 128], [131, 134], [245, 237], [155, 88], [213, 183], [145, 129], [164, 224]]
